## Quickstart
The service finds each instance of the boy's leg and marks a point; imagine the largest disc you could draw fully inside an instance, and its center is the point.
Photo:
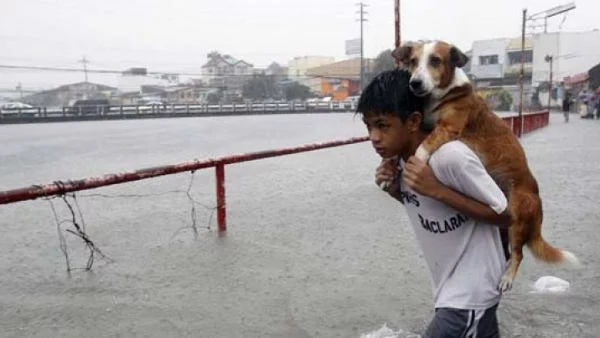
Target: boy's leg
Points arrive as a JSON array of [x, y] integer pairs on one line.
[[459, 323]]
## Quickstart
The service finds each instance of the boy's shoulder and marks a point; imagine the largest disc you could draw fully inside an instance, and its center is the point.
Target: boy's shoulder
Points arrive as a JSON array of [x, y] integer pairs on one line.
[[452, 154]]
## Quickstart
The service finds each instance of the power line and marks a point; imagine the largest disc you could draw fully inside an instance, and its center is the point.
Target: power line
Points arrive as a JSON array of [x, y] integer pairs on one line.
[[99, 71], [114, 71]]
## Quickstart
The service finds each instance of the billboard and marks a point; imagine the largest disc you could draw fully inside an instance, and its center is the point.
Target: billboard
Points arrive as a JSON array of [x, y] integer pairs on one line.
[[353, 47]]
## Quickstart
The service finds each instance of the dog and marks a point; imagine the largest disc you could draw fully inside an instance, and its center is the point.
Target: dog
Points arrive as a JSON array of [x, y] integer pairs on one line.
[[457, 112]]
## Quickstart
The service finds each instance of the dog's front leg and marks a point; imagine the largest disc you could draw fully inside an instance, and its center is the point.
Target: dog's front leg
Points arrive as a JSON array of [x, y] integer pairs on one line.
[[448, 128]]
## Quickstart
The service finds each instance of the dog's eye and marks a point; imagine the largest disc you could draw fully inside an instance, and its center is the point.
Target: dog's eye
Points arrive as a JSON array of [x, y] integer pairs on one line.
[[435, 61], [414, 62]]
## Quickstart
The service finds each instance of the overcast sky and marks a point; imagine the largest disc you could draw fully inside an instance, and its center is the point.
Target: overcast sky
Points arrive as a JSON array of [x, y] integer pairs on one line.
[[176, 35]]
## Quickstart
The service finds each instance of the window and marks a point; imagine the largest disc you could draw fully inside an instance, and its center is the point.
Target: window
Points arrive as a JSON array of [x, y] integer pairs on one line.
[[488, 60], [515, 57]]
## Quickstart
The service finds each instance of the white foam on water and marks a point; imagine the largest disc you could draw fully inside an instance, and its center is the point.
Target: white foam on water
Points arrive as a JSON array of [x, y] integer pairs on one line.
[[386, 332], [550, 284]]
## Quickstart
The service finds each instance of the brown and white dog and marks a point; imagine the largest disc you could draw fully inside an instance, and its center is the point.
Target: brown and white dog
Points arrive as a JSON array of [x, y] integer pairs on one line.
[[459, 113]]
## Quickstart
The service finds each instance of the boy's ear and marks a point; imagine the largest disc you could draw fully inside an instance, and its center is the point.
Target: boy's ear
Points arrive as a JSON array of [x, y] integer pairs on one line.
[[414, 121]]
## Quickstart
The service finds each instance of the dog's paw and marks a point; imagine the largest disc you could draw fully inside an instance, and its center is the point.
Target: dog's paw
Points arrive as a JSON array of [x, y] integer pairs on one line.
[[505, 284], [422, 154]]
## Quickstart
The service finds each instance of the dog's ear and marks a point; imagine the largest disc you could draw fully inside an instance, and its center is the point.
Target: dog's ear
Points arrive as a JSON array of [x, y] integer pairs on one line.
[[403, 53], [458, 58]]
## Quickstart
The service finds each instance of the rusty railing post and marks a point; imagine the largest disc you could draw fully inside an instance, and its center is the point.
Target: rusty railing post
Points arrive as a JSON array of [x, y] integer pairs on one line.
[[221, 209]]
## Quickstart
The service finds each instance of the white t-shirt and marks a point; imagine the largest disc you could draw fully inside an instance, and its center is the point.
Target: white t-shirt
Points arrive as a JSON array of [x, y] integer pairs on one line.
[[464, 256]]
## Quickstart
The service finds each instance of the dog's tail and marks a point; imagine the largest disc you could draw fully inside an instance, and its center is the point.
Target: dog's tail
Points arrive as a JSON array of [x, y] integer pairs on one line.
[[549, 254]]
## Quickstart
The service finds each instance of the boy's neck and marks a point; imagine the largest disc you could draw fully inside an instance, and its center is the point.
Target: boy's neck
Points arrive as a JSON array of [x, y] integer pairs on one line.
[[413, 143]]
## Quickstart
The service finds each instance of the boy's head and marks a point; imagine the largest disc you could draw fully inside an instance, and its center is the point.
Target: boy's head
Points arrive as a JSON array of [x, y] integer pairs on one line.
[[391, 112]]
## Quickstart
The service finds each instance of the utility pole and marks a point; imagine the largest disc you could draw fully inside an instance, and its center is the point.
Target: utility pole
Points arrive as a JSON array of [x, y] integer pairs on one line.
[[20, 89], [549, 59], [84, 61], [397, 24], [549, 13], [362, 54], [522, 72]]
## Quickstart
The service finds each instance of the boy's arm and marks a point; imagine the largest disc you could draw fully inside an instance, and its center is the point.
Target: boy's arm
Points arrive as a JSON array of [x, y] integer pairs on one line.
[[464, 185]]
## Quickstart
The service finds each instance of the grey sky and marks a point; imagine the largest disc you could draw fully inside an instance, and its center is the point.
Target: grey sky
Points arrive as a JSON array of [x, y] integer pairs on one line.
[[176, 35]]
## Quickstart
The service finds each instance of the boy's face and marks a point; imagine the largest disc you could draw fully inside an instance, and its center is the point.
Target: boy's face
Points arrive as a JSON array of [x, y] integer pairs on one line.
[[388, 134]]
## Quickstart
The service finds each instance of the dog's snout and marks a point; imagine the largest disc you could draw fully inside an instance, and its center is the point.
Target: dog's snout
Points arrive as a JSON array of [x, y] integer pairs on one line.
[[416, 84]]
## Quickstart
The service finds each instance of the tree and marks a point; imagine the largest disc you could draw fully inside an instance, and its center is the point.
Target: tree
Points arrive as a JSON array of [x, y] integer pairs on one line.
[[296, 91], [260, 87], [214, 97], [505, 100]]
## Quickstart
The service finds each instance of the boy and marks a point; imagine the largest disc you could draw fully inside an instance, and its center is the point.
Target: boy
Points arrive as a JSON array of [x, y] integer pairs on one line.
[[454, 206]]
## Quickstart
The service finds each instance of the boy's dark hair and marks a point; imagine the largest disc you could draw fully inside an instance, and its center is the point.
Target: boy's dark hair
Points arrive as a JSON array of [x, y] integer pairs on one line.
[[389, 93]]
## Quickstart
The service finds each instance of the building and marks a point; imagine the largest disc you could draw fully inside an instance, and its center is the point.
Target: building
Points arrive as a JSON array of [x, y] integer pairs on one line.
[[186, 94], [594, 77], [226, 72], [573, 52], [496, 63], [180, 94], [67, 94], [133, 79], [298, 66], [338, 80]]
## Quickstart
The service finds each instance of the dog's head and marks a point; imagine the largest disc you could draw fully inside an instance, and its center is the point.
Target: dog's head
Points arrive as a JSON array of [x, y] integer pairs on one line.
[[432, 65]]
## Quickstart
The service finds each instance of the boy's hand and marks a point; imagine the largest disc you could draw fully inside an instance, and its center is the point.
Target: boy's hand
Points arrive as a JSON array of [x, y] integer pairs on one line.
[[386, 173], [420, 178]]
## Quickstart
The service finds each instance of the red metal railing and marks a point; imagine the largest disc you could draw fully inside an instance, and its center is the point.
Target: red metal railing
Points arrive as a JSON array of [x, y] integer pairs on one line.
[[528, 123], [58, 188]]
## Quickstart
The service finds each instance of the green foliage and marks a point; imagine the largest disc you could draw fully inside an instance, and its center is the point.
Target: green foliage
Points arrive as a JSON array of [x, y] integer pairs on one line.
[[296, 91]]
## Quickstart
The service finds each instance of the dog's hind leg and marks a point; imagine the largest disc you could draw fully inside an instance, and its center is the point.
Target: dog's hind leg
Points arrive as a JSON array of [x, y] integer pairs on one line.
[[516, 256], [523, 214]]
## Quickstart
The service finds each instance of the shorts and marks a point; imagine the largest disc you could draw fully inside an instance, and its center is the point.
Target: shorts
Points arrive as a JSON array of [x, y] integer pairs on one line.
[[459, 323]]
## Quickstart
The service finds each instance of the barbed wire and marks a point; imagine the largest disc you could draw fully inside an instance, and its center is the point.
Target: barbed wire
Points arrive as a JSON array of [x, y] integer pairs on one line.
[[78, 232], [76, 220]]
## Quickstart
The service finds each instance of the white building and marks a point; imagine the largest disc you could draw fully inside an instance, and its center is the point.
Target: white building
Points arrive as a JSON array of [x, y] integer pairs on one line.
[[487, 59], [573, 53], [496, 63]]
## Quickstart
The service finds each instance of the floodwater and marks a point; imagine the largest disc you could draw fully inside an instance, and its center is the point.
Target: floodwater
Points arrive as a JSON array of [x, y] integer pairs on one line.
[[313, 248]]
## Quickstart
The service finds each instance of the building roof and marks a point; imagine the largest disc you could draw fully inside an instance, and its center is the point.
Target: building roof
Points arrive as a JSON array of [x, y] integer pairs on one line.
[[346, 69], [576, 78], [225, 57], [70, 86], [515, 44]]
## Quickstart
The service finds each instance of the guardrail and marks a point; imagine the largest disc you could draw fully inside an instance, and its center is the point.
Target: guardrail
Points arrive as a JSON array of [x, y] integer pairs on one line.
[[528, 123], [176, 109]]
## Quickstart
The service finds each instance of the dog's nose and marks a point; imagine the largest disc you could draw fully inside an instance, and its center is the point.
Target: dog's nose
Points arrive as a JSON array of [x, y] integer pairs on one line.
[[416, 84]]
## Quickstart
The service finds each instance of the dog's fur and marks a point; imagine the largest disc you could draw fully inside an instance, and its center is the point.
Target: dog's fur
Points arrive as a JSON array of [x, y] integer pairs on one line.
[[459, 113]]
